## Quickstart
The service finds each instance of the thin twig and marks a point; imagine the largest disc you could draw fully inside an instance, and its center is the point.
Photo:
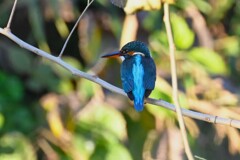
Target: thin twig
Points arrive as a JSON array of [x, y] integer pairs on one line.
[[11, 15], [196, 115], [174, 81], [74, 27]]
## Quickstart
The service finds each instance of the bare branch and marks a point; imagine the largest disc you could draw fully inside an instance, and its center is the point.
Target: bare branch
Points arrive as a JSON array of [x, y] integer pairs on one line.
[[74, 27], [174, 81], [11, 15], [95, 79]]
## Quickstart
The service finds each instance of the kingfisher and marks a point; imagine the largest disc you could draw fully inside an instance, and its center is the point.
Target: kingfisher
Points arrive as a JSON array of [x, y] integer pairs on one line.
[[138, 71]]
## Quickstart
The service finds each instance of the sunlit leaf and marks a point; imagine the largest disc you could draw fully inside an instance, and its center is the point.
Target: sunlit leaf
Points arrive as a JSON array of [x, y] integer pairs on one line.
[[107, 118], [182, 34], [65, 86], [55, 123], [16, 147], [159, 38], [116, 152], [1, 119], [50, 104], [62, 27], [136, 5], [87, 88], [209, 59], [84, 146]]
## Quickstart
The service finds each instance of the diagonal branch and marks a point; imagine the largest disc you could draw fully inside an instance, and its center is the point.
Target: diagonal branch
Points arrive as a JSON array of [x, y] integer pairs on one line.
[[95, 79]]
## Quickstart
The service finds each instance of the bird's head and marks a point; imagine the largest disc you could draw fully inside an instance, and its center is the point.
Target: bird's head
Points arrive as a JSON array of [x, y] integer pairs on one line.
[[130, 49]]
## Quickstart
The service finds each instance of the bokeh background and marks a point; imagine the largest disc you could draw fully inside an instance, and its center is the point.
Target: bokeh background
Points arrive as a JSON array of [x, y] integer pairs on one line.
[[48, 114]]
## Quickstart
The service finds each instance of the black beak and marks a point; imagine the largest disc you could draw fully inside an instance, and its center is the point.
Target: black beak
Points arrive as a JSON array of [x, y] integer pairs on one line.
[[112, 55]]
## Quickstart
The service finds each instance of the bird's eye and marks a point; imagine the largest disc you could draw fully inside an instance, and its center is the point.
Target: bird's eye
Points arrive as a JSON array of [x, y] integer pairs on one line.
[[125, 51]]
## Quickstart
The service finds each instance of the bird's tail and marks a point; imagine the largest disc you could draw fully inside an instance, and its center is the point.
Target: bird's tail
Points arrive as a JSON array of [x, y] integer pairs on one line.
[[138, 104]]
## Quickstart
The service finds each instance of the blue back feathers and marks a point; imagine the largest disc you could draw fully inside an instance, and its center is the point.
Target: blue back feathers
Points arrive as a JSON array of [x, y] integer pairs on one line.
[[138, 84]]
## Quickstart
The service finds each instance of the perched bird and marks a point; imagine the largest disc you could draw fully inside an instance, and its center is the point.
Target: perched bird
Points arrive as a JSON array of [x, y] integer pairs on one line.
[[138, 71]]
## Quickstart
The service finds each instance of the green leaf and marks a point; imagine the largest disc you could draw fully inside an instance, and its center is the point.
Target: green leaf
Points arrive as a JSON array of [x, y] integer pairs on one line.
[[118, 152], [11, 87], [159, 37], [2, 119], [65, 86], [84, 146], [110, 152], [16, 147], [182, 34], [87, 88], [109, 121], [209, 59], [18, 117]]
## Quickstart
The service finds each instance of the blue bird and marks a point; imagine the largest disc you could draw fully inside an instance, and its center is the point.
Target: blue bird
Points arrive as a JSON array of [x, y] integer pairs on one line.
[[138, 72]]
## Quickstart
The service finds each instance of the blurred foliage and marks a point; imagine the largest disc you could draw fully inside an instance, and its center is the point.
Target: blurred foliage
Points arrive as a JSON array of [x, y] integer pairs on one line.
[[181, 31], [46, 113]]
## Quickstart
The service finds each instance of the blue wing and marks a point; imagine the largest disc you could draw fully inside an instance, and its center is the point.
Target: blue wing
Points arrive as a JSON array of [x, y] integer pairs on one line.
[[150, 75], [127, 77]]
